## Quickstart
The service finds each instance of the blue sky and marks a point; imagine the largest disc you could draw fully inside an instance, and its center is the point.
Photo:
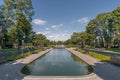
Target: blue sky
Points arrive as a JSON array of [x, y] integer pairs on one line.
[[58, 19]]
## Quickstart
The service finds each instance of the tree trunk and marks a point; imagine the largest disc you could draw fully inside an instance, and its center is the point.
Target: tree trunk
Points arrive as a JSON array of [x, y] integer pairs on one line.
[[109, 45]]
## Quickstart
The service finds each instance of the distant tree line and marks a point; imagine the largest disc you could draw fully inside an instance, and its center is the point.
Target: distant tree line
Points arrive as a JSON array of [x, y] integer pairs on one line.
[[102, 31]]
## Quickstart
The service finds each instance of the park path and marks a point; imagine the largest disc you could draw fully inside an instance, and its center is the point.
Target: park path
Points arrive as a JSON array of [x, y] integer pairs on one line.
[[102, 70], [12, 70]]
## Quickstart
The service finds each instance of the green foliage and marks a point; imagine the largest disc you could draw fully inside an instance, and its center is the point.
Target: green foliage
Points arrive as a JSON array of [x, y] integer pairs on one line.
[[36, 51], [76, 49], [95, 55], [29, 47], [113, 49], [82, 51], [12, 35], [3, 28], [90, 47], [15, 57], [99, 56], [23, 28], [40, 40], [80, 39], [15, 22], [102, 31], [105, 27], [7, 50]]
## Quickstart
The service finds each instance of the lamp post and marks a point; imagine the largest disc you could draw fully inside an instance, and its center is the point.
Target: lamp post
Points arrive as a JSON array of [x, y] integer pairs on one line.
[[94, 47], [119, 43], [23, 44]]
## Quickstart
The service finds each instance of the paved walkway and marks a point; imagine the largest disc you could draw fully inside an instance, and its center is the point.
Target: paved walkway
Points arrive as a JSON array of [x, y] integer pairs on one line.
[[103, 70], [107, 53], [12, 70]]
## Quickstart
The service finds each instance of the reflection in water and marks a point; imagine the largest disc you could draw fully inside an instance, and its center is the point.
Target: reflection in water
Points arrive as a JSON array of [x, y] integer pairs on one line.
[[58, 62], [77, 59]]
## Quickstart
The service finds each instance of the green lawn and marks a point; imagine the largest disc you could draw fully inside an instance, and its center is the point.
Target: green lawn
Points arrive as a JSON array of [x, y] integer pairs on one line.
[[7, 50], [96, 55], [113, 49], [15, 57], [99, 56]]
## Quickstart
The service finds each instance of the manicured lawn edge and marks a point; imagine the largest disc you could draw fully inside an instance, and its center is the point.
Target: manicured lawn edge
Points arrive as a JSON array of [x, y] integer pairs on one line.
[[19, 56], [95, 55], [113, 49]]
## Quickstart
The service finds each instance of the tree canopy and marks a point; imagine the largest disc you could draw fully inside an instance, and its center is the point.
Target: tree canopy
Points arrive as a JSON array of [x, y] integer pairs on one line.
[[103, 31]]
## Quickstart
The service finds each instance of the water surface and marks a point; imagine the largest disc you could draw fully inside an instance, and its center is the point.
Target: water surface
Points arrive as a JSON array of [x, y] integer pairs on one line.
[[58, 62]]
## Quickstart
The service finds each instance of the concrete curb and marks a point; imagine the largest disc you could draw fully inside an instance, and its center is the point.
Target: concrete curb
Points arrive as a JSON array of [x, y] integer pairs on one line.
[[91, 76]]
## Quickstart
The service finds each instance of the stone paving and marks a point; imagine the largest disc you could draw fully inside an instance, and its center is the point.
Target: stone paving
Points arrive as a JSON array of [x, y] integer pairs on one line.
[[12, 70], [102, 70]]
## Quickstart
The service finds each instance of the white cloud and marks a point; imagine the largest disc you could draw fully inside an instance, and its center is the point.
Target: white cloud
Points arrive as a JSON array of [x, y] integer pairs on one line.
[[58, 37], [47, 29], [55, 36], [39, 22], [44, 33], [38, 32], [56, 26], [47, 32], [83, 20]]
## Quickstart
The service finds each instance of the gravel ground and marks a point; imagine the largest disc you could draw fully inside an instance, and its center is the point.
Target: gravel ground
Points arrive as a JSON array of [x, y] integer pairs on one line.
[[12, 70], [102, 70]]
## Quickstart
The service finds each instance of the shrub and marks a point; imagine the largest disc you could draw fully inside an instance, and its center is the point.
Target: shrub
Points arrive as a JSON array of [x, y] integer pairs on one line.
[[15, 57], [29, 46], [82, 51], [99, 56], [26, 54], [90, 47], [95, 55], [36, 51]]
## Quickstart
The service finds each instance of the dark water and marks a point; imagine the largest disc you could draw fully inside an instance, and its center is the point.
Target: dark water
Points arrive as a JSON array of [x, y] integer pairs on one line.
[[58, 62]]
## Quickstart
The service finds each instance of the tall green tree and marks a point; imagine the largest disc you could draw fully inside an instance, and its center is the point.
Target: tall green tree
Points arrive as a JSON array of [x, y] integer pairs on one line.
[[80, 39], [2, 27], [105, 27], [40, 40], [22, 12]]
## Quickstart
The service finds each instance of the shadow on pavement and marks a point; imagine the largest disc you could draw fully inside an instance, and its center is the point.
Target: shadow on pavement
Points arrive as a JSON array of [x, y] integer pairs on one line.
[[107, 71], [10, 71]]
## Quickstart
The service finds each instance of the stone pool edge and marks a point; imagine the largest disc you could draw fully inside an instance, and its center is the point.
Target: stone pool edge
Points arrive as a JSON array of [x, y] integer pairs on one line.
[[91, 76], [25, 61]]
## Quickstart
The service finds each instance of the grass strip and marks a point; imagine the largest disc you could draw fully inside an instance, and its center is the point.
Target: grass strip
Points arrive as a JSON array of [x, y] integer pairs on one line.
[[96, 55]]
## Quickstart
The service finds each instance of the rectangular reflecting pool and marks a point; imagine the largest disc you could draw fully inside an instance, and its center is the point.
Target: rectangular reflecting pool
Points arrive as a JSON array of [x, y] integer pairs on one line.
[[57, 62]]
